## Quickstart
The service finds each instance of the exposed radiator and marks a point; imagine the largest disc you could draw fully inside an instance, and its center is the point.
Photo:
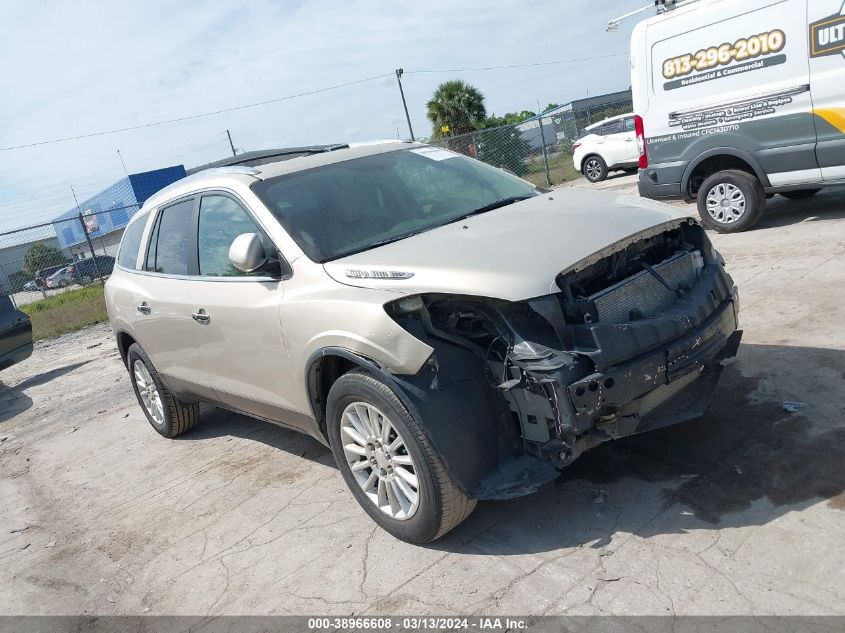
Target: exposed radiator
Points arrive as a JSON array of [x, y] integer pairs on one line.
[[644, 293]]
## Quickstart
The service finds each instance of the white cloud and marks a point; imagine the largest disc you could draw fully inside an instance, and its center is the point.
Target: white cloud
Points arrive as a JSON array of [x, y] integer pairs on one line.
[[80, 67]]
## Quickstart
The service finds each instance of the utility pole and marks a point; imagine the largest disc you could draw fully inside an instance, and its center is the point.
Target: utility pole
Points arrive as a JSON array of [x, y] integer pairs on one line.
[[231, 144], [120, 156], [404, 105]]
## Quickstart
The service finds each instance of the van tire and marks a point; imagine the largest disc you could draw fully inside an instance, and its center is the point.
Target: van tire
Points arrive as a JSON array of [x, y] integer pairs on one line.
[[442, 504], [800, 194], [752, 194], [178, 416], [594, 168]]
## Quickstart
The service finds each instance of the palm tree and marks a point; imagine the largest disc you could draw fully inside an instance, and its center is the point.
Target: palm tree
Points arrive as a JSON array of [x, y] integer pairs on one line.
[[458, 105]]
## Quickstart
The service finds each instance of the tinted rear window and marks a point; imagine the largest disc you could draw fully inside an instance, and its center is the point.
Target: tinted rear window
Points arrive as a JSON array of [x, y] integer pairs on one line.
[[613, 127], [131, 244], [169, 245]]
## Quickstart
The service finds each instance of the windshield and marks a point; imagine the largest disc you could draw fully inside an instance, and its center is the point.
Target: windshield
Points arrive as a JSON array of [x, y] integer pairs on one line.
[[351, 206]]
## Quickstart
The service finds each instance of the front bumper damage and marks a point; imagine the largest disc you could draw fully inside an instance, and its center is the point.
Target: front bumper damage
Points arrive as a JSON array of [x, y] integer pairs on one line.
[[634, 342]]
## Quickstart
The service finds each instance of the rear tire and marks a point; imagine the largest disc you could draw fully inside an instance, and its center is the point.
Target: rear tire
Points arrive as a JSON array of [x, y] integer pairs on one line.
[[166, 413], [594, 168], [358, 400], [731, 201], [800, 194]]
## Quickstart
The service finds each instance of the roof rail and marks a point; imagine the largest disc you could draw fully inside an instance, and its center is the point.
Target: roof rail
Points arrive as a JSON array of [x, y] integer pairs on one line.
[[662, 6]]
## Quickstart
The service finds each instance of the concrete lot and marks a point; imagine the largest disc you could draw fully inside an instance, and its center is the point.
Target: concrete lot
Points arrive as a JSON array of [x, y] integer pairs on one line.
[[741, 512]]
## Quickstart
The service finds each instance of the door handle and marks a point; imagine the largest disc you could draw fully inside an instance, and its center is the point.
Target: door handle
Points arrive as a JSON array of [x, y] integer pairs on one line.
[[144, 308], [629, 140], [201, 317]]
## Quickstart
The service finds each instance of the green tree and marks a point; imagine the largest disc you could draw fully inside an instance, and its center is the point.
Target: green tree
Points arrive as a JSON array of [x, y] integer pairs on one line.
[[40, 256], [456, 105]]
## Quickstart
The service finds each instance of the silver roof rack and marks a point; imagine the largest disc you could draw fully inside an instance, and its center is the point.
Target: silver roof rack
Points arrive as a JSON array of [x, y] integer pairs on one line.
[[662, 6]]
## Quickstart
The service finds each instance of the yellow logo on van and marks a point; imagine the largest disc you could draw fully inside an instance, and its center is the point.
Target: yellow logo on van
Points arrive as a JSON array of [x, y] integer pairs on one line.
[[827, 36]]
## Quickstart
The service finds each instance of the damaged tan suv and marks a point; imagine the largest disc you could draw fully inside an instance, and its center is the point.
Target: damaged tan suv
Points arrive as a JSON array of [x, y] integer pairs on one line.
[[452, 332]]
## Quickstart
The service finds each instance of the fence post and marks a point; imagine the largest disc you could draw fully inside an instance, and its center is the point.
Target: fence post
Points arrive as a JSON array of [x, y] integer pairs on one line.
[[90, 247], [545, 154]]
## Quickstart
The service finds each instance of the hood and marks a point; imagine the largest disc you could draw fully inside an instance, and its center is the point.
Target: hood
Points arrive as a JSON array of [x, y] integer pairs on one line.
[[513, 253]]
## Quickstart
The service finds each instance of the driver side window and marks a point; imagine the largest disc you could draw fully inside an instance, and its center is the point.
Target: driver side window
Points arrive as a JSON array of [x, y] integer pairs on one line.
[[221, 220]]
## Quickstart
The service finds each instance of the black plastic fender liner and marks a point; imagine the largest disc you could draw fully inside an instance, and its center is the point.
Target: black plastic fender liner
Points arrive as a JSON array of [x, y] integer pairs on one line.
[[464, 418]]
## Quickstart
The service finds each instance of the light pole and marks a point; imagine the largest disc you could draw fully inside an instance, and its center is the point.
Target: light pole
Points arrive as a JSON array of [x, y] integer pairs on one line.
[[404, 105]]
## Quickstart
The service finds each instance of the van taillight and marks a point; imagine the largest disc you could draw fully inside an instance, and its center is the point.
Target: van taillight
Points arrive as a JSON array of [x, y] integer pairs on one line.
[[641, 148]]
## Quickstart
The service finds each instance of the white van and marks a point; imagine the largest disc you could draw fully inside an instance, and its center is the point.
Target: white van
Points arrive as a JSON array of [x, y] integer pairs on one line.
[[737, 100]]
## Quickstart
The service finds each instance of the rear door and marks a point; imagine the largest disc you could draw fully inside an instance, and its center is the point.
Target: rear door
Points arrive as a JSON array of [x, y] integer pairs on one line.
[[613, 149], [165, 301], [15, 327], [827, 74], [734, 74]]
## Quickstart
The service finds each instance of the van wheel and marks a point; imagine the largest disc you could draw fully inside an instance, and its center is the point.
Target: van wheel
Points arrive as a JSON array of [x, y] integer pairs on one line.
[[388, 463], [595, 169], [168, 415], [800, 194], [731, 201]]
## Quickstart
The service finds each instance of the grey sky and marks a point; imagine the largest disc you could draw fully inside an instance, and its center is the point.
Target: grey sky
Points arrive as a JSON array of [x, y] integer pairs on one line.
[[71, 68]]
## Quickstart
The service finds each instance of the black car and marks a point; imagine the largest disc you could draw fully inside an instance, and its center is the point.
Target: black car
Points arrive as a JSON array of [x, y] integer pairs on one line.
[[15, 334], [85, 271]]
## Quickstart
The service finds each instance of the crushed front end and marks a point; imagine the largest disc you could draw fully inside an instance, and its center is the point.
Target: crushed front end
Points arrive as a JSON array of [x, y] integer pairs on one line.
[[633, 341]]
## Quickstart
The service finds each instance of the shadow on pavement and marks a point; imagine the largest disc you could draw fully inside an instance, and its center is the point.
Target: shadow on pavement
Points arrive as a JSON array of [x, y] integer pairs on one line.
[[14, 401], [706, 474], [828, 204]]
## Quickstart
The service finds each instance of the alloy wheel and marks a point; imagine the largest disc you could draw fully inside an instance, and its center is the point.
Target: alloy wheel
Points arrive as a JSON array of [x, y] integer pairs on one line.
[[593, 169], [150, 397], [379, 460]]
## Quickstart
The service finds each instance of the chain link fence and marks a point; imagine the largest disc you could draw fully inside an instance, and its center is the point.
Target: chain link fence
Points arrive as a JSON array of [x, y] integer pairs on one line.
[[34, 265], [537, 149]]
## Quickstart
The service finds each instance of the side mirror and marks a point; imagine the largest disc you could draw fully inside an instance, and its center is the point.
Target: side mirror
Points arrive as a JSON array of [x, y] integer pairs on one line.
[[247, 254]]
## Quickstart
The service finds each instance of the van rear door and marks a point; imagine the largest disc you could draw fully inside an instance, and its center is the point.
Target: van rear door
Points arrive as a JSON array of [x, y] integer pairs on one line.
[[733, 74], [827, 74]]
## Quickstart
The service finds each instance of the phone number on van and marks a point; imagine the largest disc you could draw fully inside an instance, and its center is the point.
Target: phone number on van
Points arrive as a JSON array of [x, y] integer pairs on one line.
[[745, 48]]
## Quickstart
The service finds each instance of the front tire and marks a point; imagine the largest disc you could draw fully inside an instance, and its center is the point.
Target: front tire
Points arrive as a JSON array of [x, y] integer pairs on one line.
[[387, 462], [731, 201], [168, 415], [594, 168]]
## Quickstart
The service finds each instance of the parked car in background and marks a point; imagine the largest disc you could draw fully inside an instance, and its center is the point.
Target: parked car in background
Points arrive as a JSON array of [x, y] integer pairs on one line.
[[15, 334], [60, 279], [84, 271], [30, 286], [452, 332], [606, 146], [42, 275]]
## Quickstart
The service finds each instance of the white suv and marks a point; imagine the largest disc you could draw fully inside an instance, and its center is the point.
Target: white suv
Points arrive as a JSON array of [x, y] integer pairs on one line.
[[452, 332], [606, 146]]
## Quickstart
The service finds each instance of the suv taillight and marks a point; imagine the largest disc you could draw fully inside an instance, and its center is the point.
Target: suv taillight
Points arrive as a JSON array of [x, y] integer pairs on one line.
[[576, 145], [641, 147], [71, 270]]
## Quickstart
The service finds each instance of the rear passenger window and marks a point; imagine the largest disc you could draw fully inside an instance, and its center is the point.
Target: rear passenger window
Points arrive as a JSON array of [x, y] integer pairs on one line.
[[131, 243], [629, 125], [612, 127], [168, 252], [221, 221]]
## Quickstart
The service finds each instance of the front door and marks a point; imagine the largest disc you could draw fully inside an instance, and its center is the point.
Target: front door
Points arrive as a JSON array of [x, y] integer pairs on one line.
[[827, 81], [242, 341]]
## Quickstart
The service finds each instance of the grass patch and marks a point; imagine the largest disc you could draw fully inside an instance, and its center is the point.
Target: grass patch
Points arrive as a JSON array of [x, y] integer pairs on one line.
[[561, 170], [67, 312]]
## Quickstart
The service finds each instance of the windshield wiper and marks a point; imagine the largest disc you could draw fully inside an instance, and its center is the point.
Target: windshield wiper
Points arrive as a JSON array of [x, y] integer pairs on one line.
[[490, 207]]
